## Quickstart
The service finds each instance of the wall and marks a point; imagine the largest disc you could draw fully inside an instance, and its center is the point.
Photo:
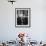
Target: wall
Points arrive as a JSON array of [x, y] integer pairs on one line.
[[8, 31]]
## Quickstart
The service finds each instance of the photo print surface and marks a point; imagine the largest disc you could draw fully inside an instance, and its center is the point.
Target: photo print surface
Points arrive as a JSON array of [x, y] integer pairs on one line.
[[22, 17]]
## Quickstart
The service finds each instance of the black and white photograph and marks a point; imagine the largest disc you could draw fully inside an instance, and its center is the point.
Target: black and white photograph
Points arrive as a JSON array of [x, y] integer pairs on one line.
[[22, 17]]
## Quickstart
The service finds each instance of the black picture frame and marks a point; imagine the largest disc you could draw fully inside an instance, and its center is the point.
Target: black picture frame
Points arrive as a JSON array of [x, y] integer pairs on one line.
[[22, 17]]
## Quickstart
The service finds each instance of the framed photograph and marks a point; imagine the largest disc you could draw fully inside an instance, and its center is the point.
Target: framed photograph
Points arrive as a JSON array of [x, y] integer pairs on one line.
[[22, 17]]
